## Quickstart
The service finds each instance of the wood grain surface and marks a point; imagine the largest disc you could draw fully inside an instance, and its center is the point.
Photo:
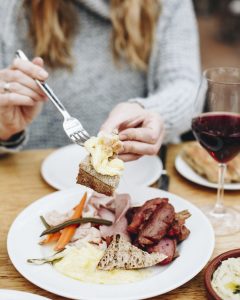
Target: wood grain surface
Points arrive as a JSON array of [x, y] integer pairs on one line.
[[21, 184]]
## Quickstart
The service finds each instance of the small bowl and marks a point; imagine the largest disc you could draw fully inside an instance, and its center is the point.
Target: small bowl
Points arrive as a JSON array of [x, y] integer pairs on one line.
[[212, 266]]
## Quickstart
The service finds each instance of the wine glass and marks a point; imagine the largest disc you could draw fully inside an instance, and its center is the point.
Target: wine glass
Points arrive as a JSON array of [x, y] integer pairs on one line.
[[218, 131]]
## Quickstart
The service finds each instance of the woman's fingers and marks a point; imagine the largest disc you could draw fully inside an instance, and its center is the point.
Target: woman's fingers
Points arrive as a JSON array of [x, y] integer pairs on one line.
[[129, 157], [149, 132], [110, 125], [38, 61], [18, 88], [8, 75], [12, 99], [131, 123], [146, 135], [29, 68], [141, 148]]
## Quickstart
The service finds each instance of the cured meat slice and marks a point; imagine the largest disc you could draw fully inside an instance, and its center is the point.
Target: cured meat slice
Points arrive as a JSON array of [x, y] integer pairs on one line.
[[165, 246], [122, 203]]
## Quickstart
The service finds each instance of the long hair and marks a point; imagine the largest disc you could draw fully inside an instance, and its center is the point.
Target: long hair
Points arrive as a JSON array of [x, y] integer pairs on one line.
[[54, 23]]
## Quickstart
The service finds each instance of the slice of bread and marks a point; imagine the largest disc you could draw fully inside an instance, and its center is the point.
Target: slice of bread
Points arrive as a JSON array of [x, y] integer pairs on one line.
[[121, 254], [89, 177]]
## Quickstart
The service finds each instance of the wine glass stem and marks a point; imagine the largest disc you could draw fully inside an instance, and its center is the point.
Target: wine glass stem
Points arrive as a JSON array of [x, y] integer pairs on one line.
[[219, 206]]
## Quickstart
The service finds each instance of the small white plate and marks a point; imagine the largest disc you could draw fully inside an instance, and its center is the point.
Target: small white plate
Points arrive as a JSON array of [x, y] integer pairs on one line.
[[60, 168], [18, 295], [186, 171], [194, 252]]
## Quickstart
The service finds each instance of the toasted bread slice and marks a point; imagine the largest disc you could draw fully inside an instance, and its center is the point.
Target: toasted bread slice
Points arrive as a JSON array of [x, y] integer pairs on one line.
[[89, 177], [123, 255]]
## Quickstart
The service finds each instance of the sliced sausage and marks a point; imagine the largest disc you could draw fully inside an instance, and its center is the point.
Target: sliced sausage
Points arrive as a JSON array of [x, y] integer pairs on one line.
[[166, 246]]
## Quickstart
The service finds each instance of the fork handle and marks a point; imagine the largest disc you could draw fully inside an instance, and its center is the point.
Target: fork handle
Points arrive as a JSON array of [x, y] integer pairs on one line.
[[47, 90]]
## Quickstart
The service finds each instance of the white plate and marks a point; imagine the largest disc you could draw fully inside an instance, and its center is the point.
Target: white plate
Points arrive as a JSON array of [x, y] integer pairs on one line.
[[17, 295], [186, 171], [60, 168], [23, 240]]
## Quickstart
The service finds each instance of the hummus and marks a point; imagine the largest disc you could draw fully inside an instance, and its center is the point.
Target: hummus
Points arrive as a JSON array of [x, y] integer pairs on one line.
[[226, 279]]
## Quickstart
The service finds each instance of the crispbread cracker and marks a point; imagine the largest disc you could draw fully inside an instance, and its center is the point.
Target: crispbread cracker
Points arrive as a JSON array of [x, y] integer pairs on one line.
[[123, 255]]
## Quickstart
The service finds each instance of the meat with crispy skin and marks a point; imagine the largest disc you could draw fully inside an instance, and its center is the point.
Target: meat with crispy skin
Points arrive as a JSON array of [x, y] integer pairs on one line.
[[166, 246], [184, 233], [144, 212], [156, 227], [178, 230]]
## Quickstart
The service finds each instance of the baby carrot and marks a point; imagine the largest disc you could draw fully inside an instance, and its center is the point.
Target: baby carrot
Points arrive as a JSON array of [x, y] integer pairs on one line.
[[68, 232], [51, 237]]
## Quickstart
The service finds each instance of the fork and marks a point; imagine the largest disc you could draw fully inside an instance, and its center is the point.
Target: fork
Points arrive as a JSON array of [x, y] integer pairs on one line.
[[72, 126]]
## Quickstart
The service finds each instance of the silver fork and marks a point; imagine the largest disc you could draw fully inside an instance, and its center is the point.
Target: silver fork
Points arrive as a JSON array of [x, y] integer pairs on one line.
[[72, 127]]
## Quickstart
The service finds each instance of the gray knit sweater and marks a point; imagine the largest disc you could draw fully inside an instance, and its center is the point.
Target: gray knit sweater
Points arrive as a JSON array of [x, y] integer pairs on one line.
[[96, 84]]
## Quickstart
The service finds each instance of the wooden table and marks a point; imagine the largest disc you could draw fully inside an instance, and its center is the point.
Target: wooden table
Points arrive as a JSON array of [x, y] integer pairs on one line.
[[21, 184]]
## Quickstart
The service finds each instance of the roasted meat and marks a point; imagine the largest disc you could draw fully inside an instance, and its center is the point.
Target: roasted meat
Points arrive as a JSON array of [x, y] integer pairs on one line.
[[184, 233], [166, 246], [156, 227], [143, 213], [178, 230]]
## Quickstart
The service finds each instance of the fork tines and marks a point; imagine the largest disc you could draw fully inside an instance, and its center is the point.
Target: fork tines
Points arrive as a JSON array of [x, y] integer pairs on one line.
[[80, 137]]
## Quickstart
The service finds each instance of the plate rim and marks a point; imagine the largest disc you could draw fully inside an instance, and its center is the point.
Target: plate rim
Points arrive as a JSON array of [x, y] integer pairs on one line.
[[205, 183], [56, 185], [148, 294], [23, 293]]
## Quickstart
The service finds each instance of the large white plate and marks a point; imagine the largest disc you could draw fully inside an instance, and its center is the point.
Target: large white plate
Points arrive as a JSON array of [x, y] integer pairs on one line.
[[23, 240], [60, 168], [17, 295], [186, 171]]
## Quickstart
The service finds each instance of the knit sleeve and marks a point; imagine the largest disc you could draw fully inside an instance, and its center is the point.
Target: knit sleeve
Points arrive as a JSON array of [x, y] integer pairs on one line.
[[1, 35], [17, 141], [174, 70]]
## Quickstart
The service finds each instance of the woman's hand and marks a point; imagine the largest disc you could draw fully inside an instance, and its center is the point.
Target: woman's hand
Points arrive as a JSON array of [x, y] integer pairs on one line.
[[20, 97], [140, 130]]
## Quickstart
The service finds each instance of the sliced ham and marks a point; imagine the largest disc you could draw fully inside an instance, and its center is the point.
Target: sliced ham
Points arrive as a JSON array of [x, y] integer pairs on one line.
[[106, 214], [87, 233], [81, 231], [89, 211], [122, 204], [97, 200], [165, 246], [54, 217]]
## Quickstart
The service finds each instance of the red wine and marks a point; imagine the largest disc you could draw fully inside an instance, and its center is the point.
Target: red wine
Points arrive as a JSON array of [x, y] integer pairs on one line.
[[219, 134]]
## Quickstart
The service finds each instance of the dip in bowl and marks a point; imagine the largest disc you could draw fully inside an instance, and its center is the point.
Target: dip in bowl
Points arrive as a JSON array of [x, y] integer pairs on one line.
[[221, 276]]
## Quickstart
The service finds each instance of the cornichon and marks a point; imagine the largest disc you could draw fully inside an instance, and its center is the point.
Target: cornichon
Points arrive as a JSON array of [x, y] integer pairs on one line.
[[58, 227], [47, 226]]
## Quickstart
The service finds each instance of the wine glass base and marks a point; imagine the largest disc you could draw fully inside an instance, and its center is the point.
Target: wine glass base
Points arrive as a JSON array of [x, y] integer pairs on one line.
[[223, 223]]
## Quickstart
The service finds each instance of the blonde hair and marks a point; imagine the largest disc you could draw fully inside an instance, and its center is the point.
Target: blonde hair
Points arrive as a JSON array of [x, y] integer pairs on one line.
[[54, 23]]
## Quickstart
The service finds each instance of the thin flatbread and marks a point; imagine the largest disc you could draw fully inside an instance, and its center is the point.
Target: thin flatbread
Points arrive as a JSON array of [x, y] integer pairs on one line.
[[123, 255]]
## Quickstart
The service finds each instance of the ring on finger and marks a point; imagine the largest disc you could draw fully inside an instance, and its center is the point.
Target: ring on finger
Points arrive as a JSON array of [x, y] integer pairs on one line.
[[6, 87]]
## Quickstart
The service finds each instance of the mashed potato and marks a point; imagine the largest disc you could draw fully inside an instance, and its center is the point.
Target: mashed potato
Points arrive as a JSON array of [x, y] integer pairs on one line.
[[81, 264]]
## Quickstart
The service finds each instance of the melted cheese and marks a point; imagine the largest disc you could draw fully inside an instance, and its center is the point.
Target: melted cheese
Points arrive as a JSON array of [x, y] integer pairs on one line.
[[81, 264], [103, 150]]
